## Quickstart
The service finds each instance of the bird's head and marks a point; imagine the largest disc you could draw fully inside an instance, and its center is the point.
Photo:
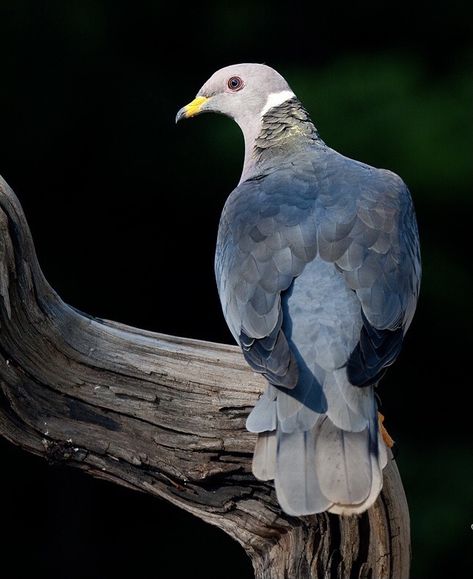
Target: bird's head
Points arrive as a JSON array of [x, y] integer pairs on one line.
[[241, 91]]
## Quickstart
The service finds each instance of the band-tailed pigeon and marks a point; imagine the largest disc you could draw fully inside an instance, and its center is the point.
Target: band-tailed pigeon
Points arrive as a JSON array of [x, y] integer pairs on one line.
[[318, 271]]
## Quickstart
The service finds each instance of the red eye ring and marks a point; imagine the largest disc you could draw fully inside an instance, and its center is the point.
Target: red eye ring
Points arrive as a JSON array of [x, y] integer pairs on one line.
[[235, 83]]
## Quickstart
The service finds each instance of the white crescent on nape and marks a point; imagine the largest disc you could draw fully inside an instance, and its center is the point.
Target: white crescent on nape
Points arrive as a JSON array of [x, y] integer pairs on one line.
[[275, 99]]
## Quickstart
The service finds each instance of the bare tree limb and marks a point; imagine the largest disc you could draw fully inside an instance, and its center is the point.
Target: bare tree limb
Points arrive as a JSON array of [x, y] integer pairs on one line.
[[165, 415]]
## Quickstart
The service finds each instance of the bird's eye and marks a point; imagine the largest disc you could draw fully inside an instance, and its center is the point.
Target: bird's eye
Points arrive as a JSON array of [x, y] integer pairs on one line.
[[235, 83]]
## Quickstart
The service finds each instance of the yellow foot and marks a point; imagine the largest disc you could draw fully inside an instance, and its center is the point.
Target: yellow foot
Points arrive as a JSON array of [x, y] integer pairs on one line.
[[384, 433]]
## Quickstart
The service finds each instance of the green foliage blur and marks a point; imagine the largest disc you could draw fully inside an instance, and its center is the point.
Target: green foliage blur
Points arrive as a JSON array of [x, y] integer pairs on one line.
[[88, 95]]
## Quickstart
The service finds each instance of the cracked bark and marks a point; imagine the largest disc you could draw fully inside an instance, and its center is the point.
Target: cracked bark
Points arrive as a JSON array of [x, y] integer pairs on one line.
[[165, 415]]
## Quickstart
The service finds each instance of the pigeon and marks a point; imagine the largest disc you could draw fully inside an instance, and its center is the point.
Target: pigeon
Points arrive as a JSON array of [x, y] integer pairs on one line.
[[318, 271]]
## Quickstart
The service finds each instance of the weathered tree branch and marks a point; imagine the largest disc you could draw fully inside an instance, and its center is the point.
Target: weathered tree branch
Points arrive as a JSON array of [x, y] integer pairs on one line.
[[165, 416]]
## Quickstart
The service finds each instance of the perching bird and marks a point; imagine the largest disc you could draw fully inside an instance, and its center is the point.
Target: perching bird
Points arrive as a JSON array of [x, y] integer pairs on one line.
[[318, 272]]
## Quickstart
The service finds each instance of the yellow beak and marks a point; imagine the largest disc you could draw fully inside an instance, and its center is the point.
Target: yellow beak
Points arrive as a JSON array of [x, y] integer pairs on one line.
[[192, 108]]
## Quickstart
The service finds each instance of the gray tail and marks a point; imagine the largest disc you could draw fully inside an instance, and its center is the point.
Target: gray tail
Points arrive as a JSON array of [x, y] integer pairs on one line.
[[317, 466]]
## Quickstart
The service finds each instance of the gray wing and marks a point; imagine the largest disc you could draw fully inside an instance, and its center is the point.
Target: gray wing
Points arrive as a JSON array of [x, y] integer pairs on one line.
[[266, 236], [359, 218], [381, 264]]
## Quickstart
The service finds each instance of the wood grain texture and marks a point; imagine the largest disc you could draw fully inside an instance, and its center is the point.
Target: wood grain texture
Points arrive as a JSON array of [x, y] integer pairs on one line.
[[166, 416]]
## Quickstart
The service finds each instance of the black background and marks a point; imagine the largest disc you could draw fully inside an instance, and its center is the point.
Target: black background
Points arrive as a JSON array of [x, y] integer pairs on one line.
[[124, 208]]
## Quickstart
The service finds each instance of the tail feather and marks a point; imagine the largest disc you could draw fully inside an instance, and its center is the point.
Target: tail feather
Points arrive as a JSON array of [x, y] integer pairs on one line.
[[342, 460], [293, 412], [263, 416], [382, 452], [264, 457], [347, 410], [297, 484], [376, 486], [316, 465]]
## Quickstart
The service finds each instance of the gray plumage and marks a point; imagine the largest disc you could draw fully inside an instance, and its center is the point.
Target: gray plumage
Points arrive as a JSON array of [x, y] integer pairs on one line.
[[318, 271]]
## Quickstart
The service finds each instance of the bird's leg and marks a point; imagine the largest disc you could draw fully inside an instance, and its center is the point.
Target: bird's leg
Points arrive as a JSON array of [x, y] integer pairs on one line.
[[385, 434]]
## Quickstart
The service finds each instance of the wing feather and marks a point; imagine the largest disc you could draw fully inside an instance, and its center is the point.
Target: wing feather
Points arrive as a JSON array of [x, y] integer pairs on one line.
[[358, 218]]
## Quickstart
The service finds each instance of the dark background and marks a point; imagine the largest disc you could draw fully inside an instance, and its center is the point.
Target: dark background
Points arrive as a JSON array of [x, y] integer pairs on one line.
[[124, 209]]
